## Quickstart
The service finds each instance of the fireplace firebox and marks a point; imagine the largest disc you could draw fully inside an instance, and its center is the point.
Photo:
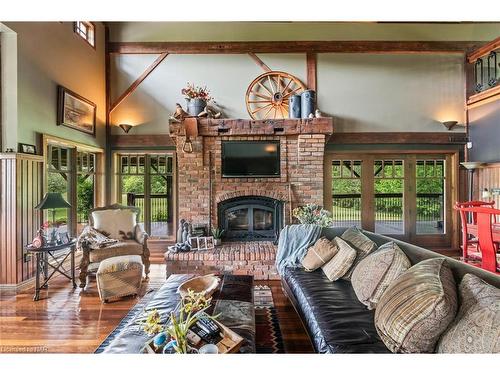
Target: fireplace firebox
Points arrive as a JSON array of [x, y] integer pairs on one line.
[[251, 218]]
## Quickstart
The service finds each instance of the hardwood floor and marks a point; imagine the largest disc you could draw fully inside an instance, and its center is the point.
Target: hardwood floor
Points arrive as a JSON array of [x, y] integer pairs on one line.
[[68, 320]]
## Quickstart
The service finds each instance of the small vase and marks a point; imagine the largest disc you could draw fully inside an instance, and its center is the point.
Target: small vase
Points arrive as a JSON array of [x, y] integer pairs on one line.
[[217, 241], [195, 106]]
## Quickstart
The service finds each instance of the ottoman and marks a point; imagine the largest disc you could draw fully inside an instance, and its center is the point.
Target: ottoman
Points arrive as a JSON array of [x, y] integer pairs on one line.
[[119, 276]]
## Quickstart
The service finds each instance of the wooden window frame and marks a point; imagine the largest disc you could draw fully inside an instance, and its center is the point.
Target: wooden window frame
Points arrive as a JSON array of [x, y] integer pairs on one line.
[[116, 181], [451, 237], [76, 31], [75, 147]]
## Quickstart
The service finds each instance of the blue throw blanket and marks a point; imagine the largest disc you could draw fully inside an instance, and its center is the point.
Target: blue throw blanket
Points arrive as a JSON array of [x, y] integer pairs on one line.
[[293, 244]]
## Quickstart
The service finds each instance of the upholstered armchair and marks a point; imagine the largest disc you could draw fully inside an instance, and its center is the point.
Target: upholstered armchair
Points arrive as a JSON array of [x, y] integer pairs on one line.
[[120, 223]]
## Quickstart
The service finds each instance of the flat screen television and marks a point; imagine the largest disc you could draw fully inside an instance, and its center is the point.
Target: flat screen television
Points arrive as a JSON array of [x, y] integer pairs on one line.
[[250, 159]]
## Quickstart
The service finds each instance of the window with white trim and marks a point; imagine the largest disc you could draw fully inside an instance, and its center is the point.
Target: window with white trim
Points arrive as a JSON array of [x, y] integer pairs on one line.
[[86, 30]]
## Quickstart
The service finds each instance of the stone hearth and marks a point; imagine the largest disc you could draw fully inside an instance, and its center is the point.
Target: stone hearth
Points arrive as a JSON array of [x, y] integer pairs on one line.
[[237, 258], [201, 186]]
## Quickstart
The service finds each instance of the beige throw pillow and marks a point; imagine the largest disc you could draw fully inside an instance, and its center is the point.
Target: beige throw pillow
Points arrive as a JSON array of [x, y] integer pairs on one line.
[[117, 223], [373, 275], [341, 262], [318, 254], [361, 243], [476, 329], [417, 308]]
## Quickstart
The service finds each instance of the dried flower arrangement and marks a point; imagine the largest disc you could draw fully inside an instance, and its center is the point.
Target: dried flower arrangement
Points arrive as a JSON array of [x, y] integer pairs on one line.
[[196, 92]]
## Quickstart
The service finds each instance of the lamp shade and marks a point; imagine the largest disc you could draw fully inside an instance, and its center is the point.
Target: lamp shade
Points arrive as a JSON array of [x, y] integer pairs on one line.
[[52, 201]]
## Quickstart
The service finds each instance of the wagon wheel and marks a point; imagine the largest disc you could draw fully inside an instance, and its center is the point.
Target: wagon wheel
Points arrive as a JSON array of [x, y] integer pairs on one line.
[[268, 94]]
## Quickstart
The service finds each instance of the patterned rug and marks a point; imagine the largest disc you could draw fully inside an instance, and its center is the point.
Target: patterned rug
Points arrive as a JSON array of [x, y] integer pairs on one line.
[[268, 333]]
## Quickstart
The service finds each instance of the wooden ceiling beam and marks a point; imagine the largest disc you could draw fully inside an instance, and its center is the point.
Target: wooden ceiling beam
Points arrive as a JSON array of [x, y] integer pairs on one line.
[[399, 138], [360, 46], [259, 62], [138, 81], [311, 71]]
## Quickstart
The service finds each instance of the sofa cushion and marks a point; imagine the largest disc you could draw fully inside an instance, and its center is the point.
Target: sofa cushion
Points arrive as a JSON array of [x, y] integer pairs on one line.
[[115, 223], [361, 243], [318, 254], [337, 267], [417, 307], [373, 275], [129, 247], [476, 329], [335, 320]]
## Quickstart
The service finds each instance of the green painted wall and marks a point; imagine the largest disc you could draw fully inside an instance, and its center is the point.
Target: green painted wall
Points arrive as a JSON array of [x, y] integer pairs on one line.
[[51, 54], [363, 92], [241, 31]]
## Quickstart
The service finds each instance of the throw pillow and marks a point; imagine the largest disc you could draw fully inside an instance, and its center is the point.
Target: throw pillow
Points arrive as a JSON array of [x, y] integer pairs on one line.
[[318, 254], [417, 308], [341, 262], [361, 243], [476, 329], [116, 223], [373, 275]]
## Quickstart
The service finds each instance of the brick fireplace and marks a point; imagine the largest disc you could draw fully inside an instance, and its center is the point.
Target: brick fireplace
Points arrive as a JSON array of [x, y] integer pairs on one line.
[[203, 191]]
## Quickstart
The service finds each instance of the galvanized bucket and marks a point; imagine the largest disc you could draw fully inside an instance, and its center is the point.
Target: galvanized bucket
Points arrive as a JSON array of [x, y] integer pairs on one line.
[[195, 106]]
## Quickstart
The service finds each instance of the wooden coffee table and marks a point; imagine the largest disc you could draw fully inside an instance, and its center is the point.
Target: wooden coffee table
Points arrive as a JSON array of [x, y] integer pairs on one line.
[[233, 301]]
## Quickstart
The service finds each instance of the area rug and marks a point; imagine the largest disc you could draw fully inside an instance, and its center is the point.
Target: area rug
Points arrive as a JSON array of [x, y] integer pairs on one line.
[[268, 333]]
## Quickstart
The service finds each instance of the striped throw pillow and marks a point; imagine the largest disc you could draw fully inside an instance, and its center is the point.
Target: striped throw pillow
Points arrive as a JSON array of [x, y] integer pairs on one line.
[[341, 262], [417, 307]]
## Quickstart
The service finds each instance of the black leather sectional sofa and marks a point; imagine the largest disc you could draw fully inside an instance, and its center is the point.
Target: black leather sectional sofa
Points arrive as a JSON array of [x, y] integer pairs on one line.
[[330, 311]]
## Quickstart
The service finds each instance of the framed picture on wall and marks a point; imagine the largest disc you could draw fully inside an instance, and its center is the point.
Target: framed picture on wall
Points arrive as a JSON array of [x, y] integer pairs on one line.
[[76, 112]]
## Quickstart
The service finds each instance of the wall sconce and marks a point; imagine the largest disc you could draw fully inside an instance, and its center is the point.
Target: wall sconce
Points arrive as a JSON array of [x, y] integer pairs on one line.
[[449, 124], [125, 127]]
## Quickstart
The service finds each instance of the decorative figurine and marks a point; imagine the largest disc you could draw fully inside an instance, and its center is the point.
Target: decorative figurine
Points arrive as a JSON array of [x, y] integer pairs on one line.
[[318, 113], [179, 230]]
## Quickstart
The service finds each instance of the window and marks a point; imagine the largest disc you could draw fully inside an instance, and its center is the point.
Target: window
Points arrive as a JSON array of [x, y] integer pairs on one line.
[[73, 173], [58, 181], [146, 181], [86, 30], [407, 196]]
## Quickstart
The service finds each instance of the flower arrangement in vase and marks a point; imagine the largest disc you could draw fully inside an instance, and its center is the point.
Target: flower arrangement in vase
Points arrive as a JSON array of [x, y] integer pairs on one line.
[[192, 306], [196, 97], [313, 214]]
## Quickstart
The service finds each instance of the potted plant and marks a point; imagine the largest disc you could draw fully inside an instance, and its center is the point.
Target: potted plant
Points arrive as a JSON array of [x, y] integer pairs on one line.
[[217, 234], [313, 214], [196, 97]]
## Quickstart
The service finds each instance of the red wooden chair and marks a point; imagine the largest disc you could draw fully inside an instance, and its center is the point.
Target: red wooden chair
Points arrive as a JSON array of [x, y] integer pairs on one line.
[[468, 241], [484, 217]]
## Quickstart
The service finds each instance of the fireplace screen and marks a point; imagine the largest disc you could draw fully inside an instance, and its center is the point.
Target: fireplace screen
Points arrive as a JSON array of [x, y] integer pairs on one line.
[[251, 218]]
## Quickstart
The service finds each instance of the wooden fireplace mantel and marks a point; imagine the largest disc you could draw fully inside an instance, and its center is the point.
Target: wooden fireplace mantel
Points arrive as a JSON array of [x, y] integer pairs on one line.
[[245, 127]]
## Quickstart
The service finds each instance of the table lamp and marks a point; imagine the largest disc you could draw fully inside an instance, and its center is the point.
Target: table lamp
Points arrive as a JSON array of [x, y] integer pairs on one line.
[[53, 201]]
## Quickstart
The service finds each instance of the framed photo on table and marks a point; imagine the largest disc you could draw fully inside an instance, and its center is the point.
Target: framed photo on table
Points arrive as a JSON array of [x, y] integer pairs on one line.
[[76, 112], [27, 149]]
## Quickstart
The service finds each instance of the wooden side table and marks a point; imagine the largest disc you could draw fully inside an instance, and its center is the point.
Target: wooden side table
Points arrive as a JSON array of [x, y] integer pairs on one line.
[[43, 255]]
